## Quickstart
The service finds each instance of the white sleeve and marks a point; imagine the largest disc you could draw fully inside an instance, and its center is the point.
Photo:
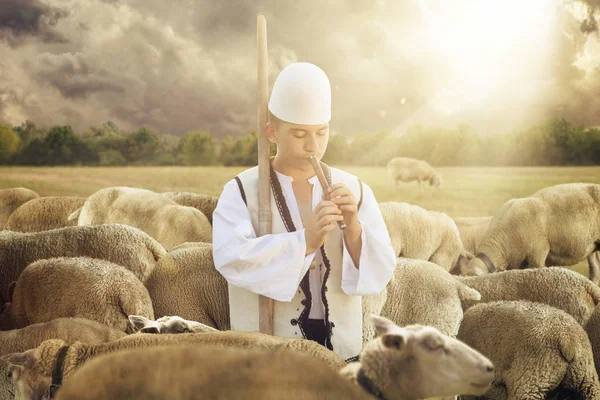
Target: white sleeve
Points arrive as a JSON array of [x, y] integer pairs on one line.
[[271, 265], [377, 257]]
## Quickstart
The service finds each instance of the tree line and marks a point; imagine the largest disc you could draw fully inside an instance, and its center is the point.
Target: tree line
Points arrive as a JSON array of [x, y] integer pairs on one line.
[[555, 142]]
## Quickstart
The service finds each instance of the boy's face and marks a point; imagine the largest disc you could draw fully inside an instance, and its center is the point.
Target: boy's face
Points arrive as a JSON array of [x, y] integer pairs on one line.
[[296, 143]]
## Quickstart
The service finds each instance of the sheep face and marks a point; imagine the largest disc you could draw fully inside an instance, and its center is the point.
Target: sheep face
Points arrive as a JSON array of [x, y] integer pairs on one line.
[[29, 383], [168, 324], [435, 181], [475, 267], [421, 362]]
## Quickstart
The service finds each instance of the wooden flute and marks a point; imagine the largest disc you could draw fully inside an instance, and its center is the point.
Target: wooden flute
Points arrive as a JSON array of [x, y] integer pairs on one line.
[[323, 181]]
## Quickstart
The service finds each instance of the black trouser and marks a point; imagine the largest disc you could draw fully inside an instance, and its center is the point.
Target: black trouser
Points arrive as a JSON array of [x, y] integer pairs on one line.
[[315, 330]]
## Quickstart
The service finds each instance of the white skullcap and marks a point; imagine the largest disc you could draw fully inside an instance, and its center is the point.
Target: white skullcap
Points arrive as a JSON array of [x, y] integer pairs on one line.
[[301, 95]]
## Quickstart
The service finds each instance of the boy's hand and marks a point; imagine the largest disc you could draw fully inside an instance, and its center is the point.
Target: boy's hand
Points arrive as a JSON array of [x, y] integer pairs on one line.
[[344, 199], [327, 215]]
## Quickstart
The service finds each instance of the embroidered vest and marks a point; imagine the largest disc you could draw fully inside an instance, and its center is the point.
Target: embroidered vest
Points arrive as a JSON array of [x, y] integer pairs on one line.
[[343, 313]]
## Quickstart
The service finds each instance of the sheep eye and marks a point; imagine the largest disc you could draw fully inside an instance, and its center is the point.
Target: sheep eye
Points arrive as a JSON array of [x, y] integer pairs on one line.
[[433, 344]]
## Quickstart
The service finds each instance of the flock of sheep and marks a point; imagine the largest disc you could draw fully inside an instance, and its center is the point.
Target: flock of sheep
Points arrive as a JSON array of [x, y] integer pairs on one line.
[[116, 296]]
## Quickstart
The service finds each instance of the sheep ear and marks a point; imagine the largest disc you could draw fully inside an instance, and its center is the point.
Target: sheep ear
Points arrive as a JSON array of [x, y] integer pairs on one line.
[[21, 359], [150, 329], [467, 293], [139, 321], [11, 291], [75, 215], [393, 341], [382, 325]]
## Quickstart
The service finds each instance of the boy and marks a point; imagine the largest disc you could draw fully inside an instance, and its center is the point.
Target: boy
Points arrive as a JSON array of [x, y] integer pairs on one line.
[[315, 272]]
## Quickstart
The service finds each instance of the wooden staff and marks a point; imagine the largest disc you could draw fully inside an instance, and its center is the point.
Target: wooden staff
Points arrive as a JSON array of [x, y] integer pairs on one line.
[[324, 184], [266, 305]]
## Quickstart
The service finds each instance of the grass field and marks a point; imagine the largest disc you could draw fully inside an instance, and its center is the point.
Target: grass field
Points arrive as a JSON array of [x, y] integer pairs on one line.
[[466, 192]]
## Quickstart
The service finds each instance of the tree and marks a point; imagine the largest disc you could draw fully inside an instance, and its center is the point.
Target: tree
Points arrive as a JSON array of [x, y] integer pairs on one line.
[[9, 143], [198, 148], [141, 147]]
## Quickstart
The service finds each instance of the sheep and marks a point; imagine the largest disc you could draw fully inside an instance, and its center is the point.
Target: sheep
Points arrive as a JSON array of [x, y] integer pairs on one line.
[[44, 213], [37, 364], [121, 244], [592, 329], [555, 286], [535, 348], [168, 324], [78, 287], [67, 329], [202, 202], [556, 226], [186, 372], [472, 230], [402, 363], [186, 283], [188, 245], [404, 169], [163, 219], [424, 293], [11, 199], [424, 235]]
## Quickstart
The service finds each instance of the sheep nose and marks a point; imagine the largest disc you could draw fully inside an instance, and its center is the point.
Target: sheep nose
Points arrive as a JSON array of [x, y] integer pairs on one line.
[[488, 367]]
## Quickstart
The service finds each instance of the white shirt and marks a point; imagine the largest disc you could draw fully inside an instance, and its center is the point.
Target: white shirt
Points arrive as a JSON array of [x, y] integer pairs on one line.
[[273, 265]]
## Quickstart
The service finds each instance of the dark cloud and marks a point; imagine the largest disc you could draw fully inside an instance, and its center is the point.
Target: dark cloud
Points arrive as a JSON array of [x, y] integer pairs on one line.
[[73, 75], [190, 64], [20, 19]]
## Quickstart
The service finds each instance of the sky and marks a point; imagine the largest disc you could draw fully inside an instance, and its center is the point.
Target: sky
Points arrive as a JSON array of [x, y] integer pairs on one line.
[[186, 65]]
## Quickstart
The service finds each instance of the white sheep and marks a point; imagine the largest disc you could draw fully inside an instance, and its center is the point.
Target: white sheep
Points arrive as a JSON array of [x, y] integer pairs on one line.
[[78, 287], [535, 349], [424, 235], [545, 229], [404, 169], [163, 219], [168, 324], [11, 199], [424, 293], [555, 286], [202, 202], [44, 213], [186, 283], [472, 230], [402, 364], [121, 244]]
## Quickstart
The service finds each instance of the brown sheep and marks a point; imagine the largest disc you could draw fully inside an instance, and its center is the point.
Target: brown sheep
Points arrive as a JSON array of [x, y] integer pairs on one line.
[[11, 199], [68, 329], [402, 364], [44, 213], [535, 349], [78, 287], [185, 283], [121, 244]]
